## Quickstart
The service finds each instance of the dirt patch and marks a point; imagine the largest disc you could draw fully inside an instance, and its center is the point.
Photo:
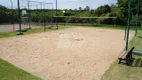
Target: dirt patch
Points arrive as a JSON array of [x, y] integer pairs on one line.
[[70, 54]]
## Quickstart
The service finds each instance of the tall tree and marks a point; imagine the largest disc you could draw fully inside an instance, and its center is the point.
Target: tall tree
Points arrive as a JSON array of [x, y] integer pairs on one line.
[[87, 8], [80, 8]]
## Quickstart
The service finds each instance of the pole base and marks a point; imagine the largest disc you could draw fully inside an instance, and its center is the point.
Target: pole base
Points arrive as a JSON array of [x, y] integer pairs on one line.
[[54, 28], [20, 33], [139, 36]]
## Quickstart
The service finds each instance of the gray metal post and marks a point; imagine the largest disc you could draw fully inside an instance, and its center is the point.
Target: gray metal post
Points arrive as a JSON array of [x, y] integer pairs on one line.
[[41, 4], [36, 6], [29, 13], [11, 4], [12, 13], [19, 16], [44, 17], [56, 15]]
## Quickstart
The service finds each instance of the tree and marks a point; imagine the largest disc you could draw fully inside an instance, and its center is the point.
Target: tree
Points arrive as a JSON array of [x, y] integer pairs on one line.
[[2, 7], [3, 14], [80, 8], [123, 6], [87, 8], [102, 10]]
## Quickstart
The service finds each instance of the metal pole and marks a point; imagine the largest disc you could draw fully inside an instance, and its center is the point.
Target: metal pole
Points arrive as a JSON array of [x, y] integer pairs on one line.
[[64, 17], [41, 4], [52, 15], [128, 26], [41, 10], [28, 4], [56, 15], [125, 33], [11, 4], [19, 16], [137, 18], [12, 14], [44, 17], [29, 13], [36, 6]]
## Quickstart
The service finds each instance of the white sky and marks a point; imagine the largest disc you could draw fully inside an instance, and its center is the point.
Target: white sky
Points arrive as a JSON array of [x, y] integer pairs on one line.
[[63, 4]]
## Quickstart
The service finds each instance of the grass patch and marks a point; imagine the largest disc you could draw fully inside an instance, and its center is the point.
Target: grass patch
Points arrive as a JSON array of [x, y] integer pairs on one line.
[[10, 34], [112, 27], [105, 26], [124, 72], [10, 72], [137, 42], [120, 27], [117, 27]]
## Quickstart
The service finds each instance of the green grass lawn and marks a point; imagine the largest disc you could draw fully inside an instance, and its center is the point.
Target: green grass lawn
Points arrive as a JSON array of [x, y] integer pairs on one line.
[[10, 72], [137, 42], [113, 27], [123, 72], [9, 34]]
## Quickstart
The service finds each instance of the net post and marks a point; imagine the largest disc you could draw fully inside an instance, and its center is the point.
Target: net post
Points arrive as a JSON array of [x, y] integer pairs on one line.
[[19, 16], [128, 25], [44, 17], [56, 15], [137, 18]]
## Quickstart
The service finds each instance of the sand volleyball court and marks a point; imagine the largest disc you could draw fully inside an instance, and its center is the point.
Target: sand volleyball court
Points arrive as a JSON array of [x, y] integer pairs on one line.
[[70, 54]]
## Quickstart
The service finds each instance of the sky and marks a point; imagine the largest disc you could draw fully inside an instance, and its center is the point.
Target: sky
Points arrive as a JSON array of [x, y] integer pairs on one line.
[[62, 4]]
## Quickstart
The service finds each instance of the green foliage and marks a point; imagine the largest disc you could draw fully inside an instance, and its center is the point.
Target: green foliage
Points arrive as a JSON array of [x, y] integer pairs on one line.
[[7, 15], [87, 8], [102, 10], [123, 6]]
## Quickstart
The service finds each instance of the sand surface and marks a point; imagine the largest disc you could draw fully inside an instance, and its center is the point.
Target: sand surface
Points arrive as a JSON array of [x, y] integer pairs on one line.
[[70, 54]]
